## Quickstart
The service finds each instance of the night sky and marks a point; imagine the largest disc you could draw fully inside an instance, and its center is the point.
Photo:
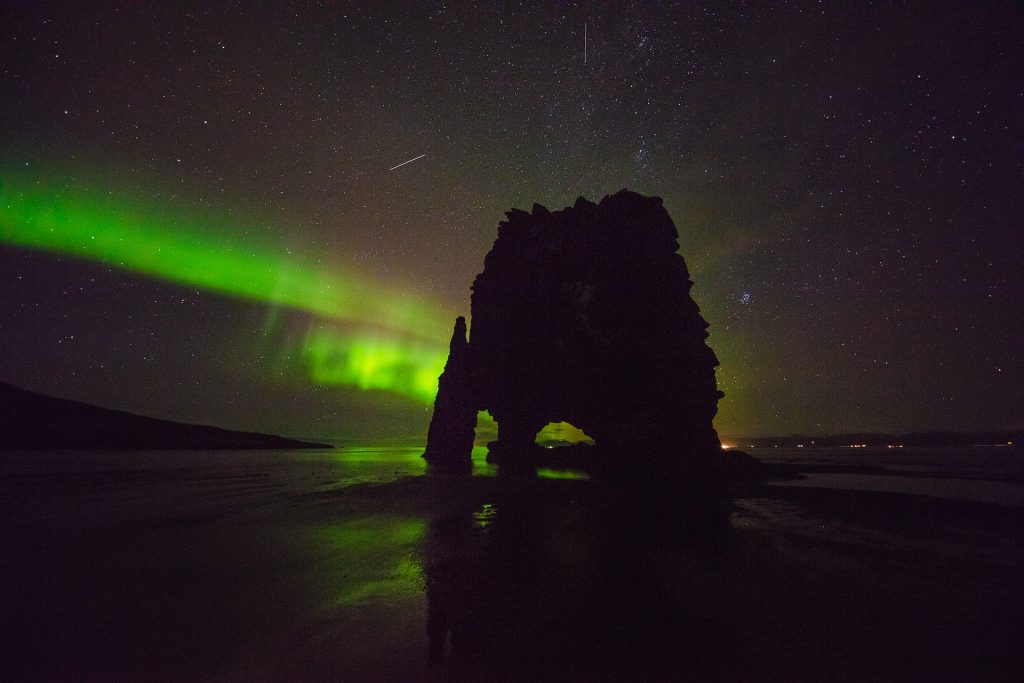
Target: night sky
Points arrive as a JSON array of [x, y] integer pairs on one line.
[[198, 220]]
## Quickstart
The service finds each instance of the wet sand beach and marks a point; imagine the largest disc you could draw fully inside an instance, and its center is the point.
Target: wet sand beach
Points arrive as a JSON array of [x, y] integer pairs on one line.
[[351, 565]]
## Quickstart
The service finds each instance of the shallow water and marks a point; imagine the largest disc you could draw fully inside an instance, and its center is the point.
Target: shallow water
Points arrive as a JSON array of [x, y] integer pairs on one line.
[[982, 474], [348, 565]]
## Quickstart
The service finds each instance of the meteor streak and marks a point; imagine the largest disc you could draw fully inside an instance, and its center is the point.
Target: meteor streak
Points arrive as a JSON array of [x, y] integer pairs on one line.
[[407, 162]]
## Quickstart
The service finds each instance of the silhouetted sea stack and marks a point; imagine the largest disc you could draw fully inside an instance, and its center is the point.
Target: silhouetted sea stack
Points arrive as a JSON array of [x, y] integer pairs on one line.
[[452, 427], [584, 315]]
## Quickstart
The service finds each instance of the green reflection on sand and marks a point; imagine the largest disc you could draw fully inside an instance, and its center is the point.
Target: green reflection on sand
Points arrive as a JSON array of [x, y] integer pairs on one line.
[[374, 559], [548, 473]]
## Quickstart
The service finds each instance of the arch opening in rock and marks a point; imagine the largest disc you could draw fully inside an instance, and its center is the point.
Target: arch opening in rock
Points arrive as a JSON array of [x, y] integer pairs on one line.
[[556, 434]]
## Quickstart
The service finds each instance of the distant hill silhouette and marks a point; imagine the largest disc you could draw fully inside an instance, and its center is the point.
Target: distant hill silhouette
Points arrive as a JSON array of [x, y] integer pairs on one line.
[[32, 421]]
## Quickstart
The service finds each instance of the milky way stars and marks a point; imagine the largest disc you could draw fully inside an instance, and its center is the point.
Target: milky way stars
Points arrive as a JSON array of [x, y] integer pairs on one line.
[[201, 216]]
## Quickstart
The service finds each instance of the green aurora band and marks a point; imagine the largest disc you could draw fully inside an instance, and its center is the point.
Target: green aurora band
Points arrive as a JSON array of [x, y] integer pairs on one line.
[[374, 362], [155, 240]]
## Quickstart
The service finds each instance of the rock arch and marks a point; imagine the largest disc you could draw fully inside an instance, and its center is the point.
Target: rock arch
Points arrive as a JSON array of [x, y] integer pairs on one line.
[[583, 315]]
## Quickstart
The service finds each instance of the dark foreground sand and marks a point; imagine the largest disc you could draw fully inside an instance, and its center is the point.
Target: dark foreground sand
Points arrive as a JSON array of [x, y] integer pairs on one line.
[[348, 566]]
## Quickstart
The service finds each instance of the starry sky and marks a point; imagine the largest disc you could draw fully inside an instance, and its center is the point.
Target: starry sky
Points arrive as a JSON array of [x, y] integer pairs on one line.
[[200, 219]]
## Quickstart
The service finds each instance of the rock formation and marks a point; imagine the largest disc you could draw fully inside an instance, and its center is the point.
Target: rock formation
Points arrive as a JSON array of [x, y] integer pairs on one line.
[[584, 315], [450, 436]]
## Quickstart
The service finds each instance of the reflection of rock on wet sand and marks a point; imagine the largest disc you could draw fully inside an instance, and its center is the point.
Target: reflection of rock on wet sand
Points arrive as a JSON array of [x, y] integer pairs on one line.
[[544, 581], [531, 579]]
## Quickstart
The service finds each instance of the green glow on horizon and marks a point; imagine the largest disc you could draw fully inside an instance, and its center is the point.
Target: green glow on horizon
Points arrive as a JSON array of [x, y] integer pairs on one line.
[[162, 241], [374, 362]]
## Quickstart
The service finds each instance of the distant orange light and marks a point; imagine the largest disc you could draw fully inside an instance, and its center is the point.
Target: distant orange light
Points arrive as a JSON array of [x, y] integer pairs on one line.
[[727, 446]]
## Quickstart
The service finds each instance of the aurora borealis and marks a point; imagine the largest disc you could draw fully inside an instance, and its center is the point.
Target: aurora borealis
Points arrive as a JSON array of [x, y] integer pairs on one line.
[[375, 363], [152, 241], [146, 241], [201, 216]]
